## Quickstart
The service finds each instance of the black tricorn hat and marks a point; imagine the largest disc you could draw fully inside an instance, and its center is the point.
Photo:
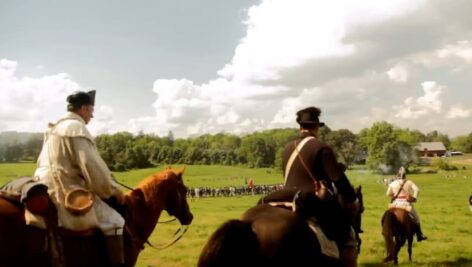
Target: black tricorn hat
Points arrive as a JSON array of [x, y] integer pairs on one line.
[[309, 117], [80, 98]]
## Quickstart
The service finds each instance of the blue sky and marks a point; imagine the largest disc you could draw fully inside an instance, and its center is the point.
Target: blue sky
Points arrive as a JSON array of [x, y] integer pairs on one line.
[[196, 67]]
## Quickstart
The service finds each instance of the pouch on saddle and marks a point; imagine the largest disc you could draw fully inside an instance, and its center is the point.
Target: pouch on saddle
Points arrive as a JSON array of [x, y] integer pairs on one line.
[[27, 192]]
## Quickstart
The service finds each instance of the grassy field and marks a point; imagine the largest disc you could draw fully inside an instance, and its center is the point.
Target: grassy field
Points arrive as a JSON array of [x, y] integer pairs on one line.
[[442, 206]]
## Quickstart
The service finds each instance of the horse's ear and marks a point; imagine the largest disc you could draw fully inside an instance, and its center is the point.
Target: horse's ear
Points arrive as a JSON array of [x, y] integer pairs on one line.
[[181, 170], [168, 167]]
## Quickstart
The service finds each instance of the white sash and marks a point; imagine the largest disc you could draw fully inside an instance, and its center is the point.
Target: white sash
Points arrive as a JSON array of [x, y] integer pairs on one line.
[[294, 155]]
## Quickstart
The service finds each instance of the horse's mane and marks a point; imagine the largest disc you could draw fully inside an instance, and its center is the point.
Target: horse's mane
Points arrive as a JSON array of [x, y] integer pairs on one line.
[[150, 187]]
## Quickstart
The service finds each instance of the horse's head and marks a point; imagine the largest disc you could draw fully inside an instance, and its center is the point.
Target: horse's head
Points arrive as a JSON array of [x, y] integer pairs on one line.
[[176, 196], [162, 191]]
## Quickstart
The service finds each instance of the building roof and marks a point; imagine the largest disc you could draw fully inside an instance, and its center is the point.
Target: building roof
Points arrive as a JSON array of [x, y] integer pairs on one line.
[[431, 146]]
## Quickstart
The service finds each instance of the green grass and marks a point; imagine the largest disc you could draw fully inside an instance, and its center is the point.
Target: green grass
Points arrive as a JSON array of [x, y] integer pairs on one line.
[[10, 171], [442, 206]]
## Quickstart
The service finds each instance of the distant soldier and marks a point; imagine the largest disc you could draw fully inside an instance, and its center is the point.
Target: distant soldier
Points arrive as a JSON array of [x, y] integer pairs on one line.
[[403, 193], [251, 185]]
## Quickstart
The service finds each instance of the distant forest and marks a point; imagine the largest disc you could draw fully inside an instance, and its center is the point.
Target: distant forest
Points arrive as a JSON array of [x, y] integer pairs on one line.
[[382, 144]]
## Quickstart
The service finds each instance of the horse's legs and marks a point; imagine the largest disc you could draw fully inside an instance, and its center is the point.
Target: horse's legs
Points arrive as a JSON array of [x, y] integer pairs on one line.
[[399, 242], [410, 242], [389, 247]]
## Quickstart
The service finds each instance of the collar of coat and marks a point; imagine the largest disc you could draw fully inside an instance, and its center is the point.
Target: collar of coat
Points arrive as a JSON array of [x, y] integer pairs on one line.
[[70, 125], [306, 133]]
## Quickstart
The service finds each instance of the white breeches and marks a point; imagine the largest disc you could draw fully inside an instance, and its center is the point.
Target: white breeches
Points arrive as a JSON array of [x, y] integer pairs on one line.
[[109, 220]]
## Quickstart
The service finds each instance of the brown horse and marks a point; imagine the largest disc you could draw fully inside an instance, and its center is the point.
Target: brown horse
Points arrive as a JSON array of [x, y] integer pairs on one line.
[[397, 228], [22, 245], [268, 236]]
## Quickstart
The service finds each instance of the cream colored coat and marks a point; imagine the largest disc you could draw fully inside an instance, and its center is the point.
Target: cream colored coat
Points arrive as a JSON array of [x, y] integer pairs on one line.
[[69, 158]]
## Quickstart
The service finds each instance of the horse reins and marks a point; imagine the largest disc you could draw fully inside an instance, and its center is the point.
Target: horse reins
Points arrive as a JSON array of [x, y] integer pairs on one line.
[[176, 238]]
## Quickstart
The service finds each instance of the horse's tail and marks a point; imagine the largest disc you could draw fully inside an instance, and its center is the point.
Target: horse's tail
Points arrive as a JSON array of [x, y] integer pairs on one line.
[[233, 244]]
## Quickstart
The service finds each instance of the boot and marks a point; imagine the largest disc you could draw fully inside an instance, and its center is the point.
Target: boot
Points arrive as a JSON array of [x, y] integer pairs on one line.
[[115, 250], [419, 234]]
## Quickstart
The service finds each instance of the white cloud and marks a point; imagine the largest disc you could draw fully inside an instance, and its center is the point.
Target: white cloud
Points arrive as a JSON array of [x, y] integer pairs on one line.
[[458, 112], [462, 49], [29, 104], [346, 57], [26, 102], [398, 73], [283, 34], [425, 105], [280, 35]]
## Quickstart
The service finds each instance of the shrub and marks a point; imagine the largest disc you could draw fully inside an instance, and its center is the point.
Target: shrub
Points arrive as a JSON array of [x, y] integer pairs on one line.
[[442, 164]]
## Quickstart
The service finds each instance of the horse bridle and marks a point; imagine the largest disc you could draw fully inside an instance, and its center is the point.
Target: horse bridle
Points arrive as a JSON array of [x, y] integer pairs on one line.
[[177, 235]]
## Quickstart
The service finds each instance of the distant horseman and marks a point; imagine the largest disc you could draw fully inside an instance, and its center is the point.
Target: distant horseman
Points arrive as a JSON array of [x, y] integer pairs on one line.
[[403, 193]]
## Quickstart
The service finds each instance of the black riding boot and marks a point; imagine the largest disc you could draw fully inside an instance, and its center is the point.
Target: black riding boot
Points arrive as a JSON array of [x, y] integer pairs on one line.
[[419, 234]]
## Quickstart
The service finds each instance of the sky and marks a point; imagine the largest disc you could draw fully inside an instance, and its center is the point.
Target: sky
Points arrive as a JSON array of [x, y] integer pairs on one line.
[[211, 66]]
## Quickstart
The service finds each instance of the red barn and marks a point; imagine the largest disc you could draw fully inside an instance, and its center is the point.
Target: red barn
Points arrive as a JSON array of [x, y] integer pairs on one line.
[[431, 149]]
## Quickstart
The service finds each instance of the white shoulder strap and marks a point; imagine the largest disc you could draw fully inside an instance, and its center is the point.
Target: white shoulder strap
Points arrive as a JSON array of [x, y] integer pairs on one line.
[[294, 155]]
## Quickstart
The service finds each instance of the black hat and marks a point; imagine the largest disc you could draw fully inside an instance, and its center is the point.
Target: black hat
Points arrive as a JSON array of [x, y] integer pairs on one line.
[[80, 98], [309, 117]]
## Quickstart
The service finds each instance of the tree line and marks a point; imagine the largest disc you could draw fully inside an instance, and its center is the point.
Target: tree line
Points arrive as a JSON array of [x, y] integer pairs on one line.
[[383, 145]]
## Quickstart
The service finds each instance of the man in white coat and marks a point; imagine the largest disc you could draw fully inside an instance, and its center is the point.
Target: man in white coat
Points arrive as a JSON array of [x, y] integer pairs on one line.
[[69, 159], [403, 193]]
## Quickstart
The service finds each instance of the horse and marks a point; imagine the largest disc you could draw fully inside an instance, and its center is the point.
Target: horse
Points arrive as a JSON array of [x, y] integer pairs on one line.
[[397, 228], [268, 235], [24, 245]]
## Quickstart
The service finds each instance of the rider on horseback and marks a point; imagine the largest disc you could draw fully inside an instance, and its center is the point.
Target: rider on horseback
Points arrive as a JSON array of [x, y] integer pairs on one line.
[[403, 193], [69, 160], [311, 166]]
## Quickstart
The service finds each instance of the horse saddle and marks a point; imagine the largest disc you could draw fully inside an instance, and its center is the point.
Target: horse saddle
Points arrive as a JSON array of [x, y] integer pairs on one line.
[[32, 198], [27, 193], [311, 209]]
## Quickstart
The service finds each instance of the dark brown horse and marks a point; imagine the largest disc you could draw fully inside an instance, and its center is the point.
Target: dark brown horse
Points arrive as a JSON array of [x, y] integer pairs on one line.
[[268, 236], [22, 245], [397, 228]]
